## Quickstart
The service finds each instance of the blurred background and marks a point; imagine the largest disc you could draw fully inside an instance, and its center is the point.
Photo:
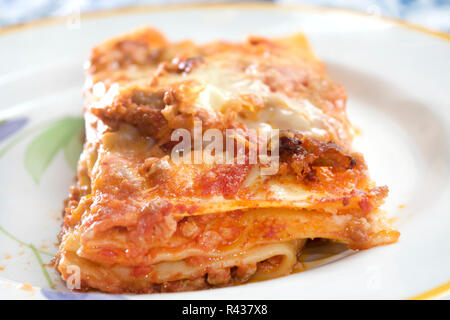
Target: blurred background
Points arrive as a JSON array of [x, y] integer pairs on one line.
[[433, 14]]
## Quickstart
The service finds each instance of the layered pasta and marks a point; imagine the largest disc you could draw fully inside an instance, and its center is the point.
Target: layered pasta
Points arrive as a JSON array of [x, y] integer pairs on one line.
[[139, 220]]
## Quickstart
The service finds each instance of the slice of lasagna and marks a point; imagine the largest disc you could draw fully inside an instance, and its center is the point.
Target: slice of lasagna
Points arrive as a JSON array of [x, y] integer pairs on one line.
[[144, 216]]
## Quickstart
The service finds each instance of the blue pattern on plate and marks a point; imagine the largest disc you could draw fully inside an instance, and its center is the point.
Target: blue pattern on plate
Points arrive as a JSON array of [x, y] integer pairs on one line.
[[61, 295], [10, 127]]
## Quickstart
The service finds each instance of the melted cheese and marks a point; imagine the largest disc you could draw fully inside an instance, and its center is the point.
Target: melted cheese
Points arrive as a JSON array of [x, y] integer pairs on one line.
[[278, 112]]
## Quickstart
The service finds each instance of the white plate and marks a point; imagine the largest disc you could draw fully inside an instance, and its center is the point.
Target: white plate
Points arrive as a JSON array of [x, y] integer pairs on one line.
[[397, 79]]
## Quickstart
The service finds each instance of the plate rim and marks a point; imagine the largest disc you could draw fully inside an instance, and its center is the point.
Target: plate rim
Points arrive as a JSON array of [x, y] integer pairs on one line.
[[47, 21]]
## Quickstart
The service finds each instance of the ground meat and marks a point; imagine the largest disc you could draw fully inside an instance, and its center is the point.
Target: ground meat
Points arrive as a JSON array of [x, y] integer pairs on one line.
[[183, 65], [304, 153], [219, 276]]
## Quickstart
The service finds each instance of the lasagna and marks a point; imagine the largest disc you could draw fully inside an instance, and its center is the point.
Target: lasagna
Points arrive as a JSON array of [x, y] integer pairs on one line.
[[141, 220]]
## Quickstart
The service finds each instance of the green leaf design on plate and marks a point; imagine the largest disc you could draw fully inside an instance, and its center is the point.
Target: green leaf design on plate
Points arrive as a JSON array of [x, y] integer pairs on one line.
[[73, 149], [45, 146]]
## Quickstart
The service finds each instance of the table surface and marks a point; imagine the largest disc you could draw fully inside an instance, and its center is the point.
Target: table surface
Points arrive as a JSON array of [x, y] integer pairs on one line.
[[433, 14]]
